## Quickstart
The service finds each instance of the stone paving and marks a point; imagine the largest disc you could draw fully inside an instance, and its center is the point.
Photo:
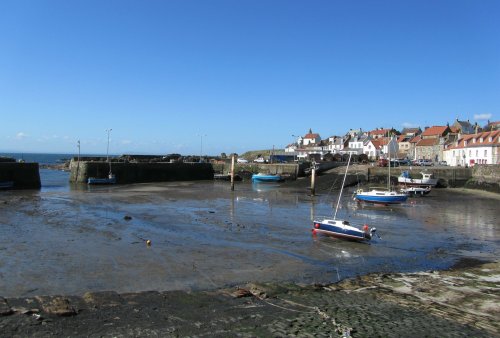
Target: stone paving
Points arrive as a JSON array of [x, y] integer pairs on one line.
[[458, 303]]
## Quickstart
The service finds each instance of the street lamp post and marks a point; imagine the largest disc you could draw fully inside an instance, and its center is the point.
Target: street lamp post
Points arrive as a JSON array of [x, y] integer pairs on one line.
[[201, 147], [107, 151], [295, 137]]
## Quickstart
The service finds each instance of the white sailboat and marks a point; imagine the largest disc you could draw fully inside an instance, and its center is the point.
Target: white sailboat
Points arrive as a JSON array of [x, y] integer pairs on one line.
[[341, 228], [380, 195]]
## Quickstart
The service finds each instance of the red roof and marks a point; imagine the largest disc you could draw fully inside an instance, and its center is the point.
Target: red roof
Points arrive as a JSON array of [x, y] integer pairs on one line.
[[427, 142], [379, 132], [377, 143], [312, 136], [415, 139], [435, 131], [495, 140]]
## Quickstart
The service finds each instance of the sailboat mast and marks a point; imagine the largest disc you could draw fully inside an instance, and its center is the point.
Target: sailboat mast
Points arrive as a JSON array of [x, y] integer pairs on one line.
[[107, 151], [342, 188], [389, 163]]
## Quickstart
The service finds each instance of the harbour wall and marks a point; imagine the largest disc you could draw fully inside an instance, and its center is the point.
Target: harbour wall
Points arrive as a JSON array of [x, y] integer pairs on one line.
[[481, 176], [485, 177], [447, 176], [24, 175], [128, 172], [289, 170]]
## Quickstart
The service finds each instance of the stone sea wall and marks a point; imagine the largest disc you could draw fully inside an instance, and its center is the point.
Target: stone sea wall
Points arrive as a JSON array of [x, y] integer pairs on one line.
[[485, 177], [140, 172], [24, 175]]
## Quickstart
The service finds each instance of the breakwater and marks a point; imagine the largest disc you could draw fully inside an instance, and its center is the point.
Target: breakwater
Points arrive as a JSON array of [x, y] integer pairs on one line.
[[129, 172], [23, 175]]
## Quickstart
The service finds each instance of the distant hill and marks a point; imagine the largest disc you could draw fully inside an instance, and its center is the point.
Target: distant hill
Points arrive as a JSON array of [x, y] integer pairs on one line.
[[253, 154]]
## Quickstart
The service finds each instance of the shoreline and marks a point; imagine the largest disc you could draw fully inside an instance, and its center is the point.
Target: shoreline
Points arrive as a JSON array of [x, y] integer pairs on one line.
[[459, 302]]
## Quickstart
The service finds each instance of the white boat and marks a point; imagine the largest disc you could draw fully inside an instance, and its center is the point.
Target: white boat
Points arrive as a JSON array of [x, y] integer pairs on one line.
[[416, 191], [381, 196], [341, 228], [426, 180]]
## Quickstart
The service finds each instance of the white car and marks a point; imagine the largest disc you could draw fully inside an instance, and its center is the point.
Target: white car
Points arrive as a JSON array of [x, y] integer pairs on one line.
[[241, 160], [259, 160]]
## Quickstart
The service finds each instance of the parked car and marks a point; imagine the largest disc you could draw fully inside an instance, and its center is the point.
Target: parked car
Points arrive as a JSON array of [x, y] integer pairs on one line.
[[241, 160], [443, 163], [259, 160]]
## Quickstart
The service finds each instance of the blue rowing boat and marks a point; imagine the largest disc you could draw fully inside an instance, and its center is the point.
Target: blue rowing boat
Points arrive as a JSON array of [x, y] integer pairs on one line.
[[111, 179], [266, 178], [6, 184]]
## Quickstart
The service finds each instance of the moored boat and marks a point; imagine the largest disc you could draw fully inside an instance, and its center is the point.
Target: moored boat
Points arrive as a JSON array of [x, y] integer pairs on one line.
[[426, 180], [380, 196], [260, 177], [416, 191], [111, 179], [342, 228], [6, 184]]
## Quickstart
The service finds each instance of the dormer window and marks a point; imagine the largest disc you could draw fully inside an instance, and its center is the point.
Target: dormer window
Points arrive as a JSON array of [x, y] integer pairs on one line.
[[481, 140], [490, 139], [465, 143], [474, 140]]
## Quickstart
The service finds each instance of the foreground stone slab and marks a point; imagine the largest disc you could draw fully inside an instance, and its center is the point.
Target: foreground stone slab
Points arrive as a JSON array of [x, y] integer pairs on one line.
[[458, 303]]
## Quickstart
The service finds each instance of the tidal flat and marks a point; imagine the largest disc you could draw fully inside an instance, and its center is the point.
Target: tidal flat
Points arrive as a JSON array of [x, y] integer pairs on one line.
[[205, 238]]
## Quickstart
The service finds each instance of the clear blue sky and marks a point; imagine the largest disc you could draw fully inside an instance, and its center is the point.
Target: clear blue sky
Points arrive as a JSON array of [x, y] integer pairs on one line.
[[245, 74]]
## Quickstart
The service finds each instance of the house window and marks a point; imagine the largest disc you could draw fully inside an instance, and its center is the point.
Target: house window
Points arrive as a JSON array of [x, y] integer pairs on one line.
[[481, 140], [465, 143], [470, 153], [477, 153], [474, 140], [486, 153]]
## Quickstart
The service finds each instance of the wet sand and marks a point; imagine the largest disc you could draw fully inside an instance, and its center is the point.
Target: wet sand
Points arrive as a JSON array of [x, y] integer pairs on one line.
[[205, 237]]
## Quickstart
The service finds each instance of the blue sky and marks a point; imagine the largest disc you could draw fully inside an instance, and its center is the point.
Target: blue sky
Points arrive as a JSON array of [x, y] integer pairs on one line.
[[230, 76]]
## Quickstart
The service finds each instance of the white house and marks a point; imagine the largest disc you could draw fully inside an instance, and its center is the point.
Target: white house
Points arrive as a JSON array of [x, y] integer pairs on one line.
[[372, 148], [480, 148], [311, 138], [336, 144]]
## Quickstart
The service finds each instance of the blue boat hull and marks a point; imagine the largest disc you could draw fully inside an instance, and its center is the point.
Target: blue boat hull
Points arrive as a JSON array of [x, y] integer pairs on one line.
[[382, 199], [341, 232], [93, 180], [266, 178]]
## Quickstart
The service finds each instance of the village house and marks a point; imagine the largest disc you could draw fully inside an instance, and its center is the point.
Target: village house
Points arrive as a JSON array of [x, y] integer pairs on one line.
[[431, 145], [464, 127], [472, 149], [355, 144], [336, 143], [491, 126], [379, 133], [372, 148], [404, 145], [411, 131]]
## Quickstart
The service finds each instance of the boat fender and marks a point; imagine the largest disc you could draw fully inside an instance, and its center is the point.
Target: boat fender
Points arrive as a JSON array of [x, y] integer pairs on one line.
[[316, 225]]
